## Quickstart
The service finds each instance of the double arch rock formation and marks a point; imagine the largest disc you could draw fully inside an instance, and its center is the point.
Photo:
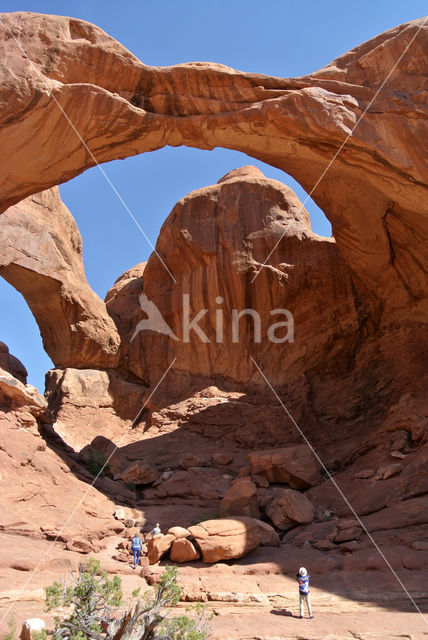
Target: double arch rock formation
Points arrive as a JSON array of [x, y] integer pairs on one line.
[[351, 133], [57, 70]]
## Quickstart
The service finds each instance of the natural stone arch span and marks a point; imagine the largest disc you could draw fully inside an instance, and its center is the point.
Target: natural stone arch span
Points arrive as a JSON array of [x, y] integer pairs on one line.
[[374, 193]]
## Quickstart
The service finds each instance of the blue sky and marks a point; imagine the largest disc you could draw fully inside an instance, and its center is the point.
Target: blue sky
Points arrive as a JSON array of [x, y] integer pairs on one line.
[[276, 37]]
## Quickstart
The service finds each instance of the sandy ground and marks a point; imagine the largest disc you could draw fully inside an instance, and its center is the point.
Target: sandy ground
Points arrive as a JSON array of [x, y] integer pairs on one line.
[[362, 605]]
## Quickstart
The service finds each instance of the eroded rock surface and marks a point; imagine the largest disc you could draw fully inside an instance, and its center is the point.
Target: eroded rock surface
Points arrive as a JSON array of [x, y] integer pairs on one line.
[[41, 256], [214, 241]]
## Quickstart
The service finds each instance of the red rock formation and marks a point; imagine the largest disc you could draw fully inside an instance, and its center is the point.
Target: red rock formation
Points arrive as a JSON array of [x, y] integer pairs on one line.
[[214, 242], [297, 466], [374, 192], [226, 538], [290, 507], [241, 499], [41, 256], [353, 378], [21, 400], [183, 550], [87, 402], [9, 363]]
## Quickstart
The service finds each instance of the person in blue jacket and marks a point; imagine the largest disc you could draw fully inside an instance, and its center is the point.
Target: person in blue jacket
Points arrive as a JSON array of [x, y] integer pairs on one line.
[[303, 580], [136, 546]]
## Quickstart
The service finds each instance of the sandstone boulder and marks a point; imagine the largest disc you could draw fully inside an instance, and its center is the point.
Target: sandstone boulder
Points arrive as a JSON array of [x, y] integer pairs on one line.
[[226, 538], [183, 550], [289, 508], [138, 472], [207, 485], [79, 544], [179, 532], [297, 466], [191, 460], [388, 470], [345, 535], [12, 365], [241, 499], [222, 458], [158, 546], [270, 538], [16, 395], [364, 474]]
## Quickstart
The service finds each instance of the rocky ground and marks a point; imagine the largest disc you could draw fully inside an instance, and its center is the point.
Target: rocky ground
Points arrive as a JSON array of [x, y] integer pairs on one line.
[[249, 599], [354, 593]]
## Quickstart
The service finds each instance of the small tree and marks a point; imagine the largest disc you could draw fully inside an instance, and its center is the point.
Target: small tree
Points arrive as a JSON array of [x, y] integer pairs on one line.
[[94, 597]]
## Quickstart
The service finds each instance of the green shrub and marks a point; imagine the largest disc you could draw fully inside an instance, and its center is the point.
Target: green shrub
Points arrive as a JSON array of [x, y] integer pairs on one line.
[[93, 597], [96, 464]]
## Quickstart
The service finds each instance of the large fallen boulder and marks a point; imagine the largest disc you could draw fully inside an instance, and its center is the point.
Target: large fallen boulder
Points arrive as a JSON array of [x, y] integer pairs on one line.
[[183, 550], [158, 546], [297, 466], [103, 449], [226, 538], [289, 508], [241, 499]]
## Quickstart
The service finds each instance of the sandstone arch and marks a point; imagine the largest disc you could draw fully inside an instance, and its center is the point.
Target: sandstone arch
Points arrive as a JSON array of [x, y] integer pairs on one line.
[[374, 193]]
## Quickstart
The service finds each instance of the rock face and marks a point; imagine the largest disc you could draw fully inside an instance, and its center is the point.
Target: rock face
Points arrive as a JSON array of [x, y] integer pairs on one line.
[[214, 241], [226, 538], [41, 256], [88, 402], [373, 192]]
